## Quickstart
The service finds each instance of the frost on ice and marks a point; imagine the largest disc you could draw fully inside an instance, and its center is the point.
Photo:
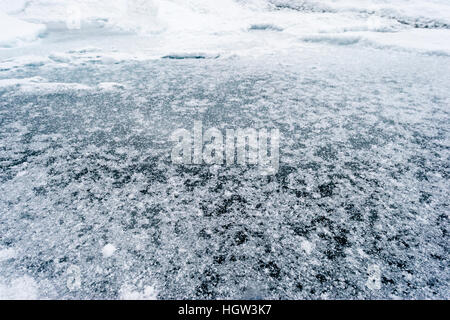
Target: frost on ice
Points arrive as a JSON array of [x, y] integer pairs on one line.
[[91, 206]]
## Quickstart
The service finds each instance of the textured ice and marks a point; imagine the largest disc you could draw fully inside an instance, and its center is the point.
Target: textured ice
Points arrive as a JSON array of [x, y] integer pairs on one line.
[[358, 208], [363, 178]]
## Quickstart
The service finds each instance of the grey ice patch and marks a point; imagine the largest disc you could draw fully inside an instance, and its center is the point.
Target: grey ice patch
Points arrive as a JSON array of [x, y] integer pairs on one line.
[[264, 26]]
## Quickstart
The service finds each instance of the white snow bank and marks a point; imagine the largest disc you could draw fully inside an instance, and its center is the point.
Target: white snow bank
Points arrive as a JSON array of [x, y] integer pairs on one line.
[[135, 15], [12, 6], [15, 32], [419, 10], [333, 38], [427, 41], [421, 40], [241, 27]]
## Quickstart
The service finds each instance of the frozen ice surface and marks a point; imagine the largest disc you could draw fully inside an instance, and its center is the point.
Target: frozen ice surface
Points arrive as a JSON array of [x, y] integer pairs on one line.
[[363, 178], [358, 208]]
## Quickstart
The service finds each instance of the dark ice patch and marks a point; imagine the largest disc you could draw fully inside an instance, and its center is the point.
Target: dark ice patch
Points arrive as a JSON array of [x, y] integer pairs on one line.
[[264, 26]]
